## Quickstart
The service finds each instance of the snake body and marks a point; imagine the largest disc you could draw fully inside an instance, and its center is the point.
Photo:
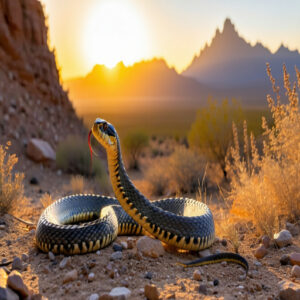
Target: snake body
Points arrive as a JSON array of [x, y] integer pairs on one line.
[[85, 223]]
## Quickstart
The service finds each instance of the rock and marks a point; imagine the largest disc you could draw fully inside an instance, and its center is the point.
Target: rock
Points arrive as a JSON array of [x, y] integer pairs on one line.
[[289, 290], [150, 247], [197, 275], [204, 253], [296, 271], [266, 241], [91, 277], [2, 227], [148, 275], [24, 257], [65, 262], [70, 276], [120, 293], [151, 292], [130, 243], [283, 238], [124, 245], [33, 181], [202, 289], [40, 151], [224, 263], [293, 229], [15, 282], [116, 255], [98, 252], [124, 282], [94, 297], [257, 263], [182, 286], [17, 264], [117, 247], [285, 260], [51, 256], [8, 294], [216, 282], [260, 252], [224, 242], [295, 258]]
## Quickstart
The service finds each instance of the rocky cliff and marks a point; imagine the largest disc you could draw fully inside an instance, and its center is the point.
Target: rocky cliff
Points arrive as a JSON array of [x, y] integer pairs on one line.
[[32, 101]]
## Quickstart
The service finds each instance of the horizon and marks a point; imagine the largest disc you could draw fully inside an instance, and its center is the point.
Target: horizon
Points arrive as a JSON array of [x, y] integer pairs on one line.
[[83, 51]]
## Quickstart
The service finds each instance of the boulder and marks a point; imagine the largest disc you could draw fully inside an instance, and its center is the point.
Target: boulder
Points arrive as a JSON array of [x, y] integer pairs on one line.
[[40, 151]]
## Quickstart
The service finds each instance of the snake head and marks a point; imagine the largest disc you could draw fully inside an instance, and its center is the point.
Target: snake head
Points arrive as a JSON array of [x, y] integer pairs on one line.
[[105, 134]]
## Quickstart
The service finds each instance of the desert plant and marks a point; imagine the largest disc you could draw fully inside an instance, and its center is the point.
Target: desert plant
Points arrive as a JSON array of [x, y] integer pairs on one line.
[[11, 183], [77, 184], [211, 132], [46, 200], [265, 188], [134, 143]]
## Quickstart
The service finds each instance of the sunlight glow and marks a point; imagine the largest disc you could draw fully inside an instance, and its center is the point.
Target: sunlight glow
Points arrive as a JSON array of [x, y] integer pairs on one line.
[[114, 32]]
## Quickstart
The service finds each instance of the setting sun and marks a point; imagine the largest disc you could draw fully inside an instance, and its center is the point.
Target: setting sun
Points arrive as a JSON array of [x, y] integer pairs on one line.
[[114, 32]]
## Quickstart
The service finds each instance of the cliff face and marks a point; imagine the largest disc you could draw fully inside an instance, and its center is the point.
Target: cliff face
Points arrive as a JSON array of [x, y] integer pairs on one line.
[[32, 101]]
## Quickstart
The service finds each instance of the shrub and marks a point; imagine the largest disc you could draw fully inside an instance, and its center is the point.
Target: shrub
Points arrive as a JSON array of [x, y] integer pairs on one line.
[[11, 184], [265, 188], [73, 156], [180, 172], [211, 133], [134, 143]]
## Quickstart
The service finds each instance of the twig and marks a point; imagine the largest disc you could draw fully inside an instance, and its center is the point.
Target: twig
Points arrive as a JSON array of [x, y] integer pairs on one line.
[[23, 221]]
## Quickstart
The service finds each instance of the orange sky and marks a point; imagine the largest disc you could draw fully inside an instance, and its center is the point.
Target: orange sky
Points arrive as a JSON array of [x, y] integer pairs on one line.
[[86, 32]]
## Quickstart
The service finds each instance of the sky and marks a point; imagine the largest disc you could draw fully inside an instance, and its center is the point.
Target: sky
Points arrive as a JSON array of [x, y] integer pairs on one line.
[[86, 32]]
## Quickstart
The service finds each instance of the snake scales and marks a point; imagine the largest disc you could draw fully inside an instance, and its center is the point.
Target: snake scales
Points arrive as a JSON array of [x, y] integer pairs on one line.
[[85, 223]]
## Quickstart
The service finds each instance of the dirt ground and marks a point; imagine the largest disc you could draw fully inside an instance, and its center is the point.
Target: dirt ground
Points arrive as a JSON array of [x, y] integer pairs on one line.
[[174, 282]]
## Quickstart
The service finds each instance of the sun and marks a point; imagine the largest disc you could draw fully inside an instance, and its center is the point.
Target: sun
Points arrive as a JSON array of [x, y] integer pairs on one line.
[[114, 32]]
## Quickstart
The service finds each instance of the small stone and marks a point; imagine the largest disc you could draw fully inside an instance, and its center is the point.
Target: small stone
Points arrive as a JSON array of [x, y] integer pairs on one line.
[[150, 247], [293, 229], [295, 258], [51, 256], [216, 282], [70, 276], [120, 293], [204, 253], [40, 150], [202, 289], [224, 263], [240, 287], [24, 257], [182, 286], [289, 290], [260, 252], [65, 262], [224, 242], [130, 243], [148, 275], [283, 238], [125, 283], [91, 277], [116, 255], [243, 277], [117, 247], [2, 227], [17, 264], [45, 270], [91, 263], [257, 263], [151, 292], [296, 271], [197, 275], [285, 260], [15, 282], [33, 181], [8, 294], [98, 253], [266, 241], [94, 297], [124, 245]]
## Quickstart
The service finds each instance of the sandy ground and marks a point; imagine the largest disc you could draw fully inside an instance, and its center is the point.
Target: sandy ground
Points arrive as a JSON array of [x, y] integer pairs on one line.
[[174, 282]]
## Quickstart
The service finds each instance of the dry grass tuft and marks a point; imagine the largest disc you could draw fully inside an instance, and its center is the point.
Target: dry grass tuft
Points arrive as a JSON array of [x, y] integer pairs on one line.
[[11, 184], [46, 200], [265, 188], [77, 184]]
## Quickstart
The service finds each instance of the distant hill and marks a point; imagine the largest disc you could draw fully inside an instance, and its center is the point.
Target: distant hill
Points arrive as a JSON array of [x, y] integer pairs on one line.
[[144, 84], [230, 62]]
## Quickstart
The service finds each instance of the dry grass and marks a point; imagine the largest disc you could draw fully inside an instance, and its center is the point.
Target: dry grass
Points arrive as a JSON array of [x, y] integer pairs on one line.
[[11, 184], [265, 188], [46, 200], [180, 172], [77, 184]]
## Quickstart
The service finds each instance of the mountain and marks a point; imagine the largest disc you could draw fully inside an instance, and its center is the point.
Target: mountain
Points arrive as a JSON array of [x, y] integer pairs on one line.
[[145, 84], [230, 62]]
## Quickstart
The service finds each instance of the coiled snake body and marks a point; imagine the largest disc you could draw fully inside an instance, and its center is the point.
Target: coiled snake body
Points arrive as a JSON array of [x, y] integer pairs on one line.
[[85, 223]]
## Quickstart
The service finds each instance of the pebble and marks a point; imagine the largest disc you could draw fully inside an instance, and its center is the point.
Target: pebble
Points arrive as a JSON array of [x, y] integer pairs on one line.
[[91, 277], [285, 259], [124, 245], [34, 181], [197, 275], [266, 241], [283, 238], [65, 262], [24, 257], [202, 289], [182, 286], [117, 247], [204, 253], [17, 264], [2, 227], [293, 229], [216, 282], [120, 293], [243, 277], [51, 256], [260, 252], [296, 271], [116, 255], [295, 258], [224, 242], [224, 263], [98, 253], [124, 282], [130, 243], [288, 290], [15, 282], [150, 247], [148, 275], [94, 297], [257, 263], [46, 269], [70, 276], [151, 292]]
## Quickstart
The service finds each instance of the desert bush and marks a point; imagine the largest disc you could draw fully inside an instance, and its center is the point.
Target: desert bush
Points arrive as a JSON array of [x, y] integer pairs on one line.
[[73, 156], [134, 143], [265, 188], [11, 183], [211, 133], [180, 172]]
